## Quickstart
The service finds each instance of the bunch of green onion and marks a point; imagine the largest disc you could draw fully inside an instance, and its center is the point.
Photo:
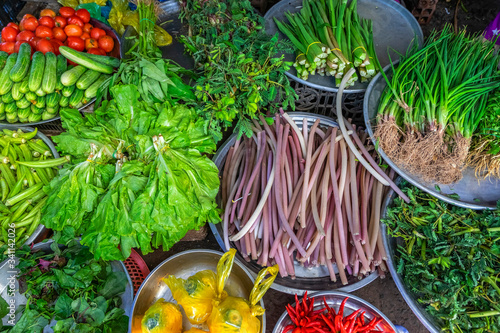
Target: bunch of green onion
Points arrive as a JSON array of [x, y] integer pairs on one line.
[[330, 39], [434, 103]]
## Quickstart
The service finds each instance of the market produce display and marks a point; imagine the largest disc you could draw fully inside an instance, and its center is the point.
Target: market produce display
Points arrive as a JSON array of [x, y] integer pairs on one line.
[[434, 103], [26, 166], [289, 193], [449, 260], [241, 73], [306, 318], [69, 286], [330, 38]]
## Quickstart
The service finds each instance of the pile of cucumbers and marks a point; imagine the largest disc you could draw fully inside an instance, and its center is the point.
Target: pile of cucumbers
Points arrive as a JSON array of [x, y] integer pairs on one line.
[[34, 88]]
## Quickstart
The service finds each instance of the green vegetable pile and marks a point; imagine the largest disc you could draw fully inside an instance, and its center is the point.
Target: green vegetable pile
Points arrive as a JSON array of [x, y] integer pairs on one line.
[[241, 73], [484, 154], [450, 260], [68, 285]]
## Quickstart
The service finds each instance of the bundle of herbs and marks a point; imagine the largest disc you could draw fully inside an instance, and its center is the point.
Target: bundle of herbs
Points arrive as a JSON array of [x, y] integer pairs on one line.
[[330, 38], [449, 259], [241, 73], [69, 286], [434, 103], [484, 154]]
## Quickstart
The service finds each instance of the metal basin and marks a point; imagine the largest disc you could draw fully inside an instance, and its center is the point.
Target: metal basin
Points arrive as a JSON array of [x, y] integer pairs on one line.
[[183, 265], [394, 29], [307, 279], [333, 299], [472, 193]]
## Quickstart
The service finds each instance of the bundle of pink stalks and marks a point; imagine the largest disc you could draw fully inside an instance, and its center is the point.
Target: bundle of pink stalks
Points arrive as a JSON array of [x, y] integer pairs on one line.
[[290, 193]]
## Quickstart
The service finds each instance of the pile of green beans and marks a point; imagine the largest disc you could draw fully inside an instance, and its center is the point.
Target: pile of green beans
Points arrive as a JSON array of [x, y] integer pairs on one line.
[[26, 166]]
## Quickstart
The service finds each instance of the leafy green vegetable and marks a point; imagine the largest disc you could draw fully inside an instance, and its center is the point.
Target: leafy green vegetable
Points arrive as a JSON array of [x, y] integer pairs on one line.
[[450, 260]]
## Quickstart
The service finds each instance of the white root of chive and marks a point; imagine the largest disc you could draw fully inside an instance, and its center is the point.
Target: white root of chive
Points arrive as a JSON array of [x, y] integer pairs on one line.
[[343, 128]]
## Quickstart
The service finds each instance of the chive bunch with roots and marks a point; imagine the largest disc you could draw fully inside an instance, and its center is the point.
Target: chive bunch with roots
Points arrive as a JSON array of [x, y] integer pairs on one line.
[[434, 103]]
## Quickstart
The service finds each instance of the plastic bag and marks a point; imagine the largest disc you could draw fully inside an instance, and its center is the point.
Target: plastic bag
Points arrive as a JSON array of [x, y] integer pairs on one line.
[[119, 13], [94, 10], [162, 37], [196, 293], [162, 317], [74, 3], [195, 330], [236, 314]]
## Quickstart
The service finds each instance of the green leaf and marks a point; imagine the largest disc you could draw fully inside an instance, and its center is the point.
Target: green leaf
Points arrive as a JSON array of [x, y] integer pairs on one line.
[[115, 285], [63, 306]]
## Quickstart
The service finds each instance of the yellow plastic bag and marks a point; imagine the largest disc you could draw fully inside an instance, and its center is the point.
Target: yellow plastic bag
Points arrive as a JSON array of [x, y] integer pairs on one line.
[[162, 317], [195, 330], [162, 37], [196, 293], [74, 3], [236, 314]]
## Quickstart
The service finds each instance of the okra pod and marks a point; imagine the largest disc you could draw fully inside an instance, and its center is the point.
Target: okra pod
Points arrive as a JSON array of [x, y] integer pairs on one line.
[[5, 188], [24, 223], [7, 174], [41, 150], [36, 177], [19, 212], [5, 159], [35, 223], [37, 196], [4, 209], [26, 194], [37, 208], [26, 152], [47, 163], [42, 174], [15, 140], [28, 135], [19, 233], [35, 154]]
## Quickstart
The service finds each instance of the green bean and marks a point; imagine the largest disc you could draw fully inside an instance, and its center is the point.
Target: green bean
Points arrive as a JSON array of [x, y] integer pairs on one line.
[[26, 194], [47, 163]]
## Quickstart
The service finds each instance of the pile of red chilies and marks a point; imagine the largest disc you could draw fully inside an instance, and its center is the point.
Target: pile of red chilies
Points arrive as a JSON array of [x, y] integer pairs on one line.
[[297, 193], [307, 320]]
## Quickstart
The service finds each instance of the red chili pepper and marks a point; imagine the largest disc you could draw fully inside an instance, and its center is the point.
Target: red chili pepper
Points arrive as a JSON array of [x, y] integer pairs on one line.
[[329, 323], [352, 315], [288, 328], [341, 309]]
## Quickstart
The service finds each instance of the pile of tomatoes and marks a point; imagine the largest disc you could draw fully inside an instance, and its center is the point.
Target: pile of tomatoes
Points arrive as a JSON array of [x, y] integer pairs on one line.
[[70, 28]]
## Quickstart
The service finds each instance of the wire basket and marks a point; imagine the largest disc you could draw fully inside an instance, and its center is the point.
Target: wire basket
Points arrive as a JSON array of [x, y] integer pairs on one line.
[[137, 269]]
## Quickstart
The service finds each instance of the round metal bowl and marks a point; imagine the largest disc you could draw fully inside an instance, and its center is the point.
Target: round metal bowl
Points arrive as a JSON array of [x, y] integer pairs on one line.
[[394, 30], [469, 192], [307, 279], [333, 299], [84, 108], [391, 245], [183, 265], [19, 299], [40, 230]]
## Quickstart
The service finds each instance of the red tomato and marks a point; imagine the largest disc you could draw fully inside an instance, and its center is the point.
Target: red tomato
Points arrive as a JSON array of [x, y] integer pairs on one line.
[[97, 51], [25, 35], [7, 47], [76, 43], [85, 36], [59, 34], [47, 12], [26, 16], [87, 28], [17, 45], [34, 41], [9, 34], [13, 25], [106, 43], [73, 30], [60, 21], [44, 32], [30, 23], [76, 20], [56, 43], [45, 46], [21, 25], [83, 14], [91, 44], [66, 12], [47, 21], [97, 33]]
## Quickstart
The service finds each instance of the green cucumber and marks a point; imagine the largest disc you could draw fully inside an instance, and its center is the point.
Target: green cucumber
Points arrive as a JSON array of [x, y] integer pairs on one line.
[[2, 116], [52, 99], [91, 91], [11, 117], [7, 98], [70, 77], [64, 101], [40, 102], [24, 112], [23, 103], [49, 75], [22, 66], [36, 71], [40, 92], [76, 99], [87, 79], [61, 67], [35, 117], [3, 58], [47, 115], [30, 96], [24, 86], [16, 92], [5, 82], [11, 107], [111, 61], [81, 58], [2, 106], [52, 110], [68, 91], [36, 110]]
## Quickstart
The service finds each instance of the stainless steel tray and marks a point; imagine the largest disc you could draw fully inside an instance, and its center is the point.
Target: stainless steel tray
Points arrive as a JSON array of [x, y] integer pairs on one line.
[[313, 279], [34, 238], [183, 265], [390, 244], [5, 273], [473, 193], [333, 299], [394, 29]]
